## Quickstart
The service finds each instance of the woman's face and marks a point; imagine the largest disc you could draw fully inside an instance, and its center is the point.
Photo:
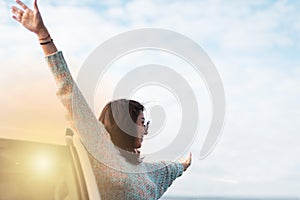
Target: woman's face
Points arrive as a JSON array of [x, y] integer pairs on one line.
[[141, 131]]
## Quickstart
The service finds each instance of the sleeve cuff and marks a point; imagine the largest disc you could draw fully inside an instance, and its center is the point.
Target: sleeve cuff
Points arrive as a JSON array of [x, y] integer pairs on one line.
[[57, 63], [180, 168]]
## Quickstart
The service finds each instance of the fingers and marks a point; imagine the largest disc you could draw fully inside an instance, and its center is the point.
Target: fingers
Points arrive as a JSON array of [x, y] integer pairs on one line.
[[189, 159], [35, 6], [15, 18], [14, 9], [22, 4], [18, 13]]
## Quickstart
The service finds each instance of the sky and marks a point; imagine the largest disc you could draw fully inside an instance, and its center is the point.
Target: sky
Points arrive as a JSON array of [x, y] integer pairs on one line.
[[253, 44]]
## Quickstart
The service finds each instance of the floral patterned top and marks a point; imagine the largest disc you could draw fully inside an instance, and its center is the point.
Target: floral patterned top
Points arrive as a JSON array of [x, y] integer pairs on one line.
[[116, 177]]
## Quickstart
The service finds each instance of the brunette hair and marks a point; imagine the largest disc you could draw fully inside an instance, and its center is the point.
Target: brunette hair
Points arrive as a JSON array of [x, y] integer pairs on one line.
[[119, 118]]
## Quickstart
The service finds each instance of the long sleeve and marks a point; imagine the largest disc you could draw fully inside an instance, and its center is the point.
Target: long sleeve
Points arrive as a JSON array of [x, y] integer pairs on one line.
[[92, 133], [163, 174]]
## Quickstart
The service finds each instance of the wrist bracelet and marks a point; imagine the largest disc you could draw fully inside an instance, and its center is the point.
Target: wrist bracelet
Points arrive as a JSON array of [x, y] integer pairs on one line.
[[48, 42], [48, 36]]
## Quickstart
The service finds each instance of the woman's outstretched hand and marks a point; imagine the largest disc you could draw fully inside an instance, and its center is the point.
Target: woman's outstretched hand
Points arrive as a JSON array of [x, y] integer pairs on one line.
[[30, 19], [186, 162]]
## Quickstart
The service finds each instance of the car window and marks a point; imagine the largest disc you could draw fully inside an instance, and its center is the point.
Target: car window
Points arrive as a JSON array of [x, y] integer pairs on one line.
[[31, 170]]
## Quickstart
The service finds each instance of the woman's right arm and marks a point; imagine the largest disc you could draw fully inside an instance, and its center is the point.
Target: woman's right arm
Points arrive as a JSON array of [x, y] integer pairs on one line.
[[91, 131]]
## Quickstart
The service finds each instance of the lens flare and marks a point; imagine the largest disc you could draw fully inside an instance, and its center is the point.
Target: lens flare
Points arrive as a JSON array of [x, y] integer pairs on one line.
[[43, 163]]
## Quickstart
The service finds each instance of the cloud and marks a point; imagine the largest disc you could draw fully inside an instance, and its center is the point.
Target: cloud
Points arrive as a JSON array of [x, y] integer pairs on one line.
[[255, 46]]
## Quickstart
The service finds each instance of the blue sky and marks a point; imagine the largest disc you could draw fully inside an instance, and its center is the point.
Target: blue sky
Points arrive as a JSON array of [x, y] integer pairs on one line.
[[254, 45]]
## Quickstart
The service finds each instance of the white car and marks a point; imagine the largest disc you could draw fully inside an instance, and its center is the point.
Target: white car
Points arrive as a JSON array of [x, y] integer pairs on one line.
[[32, 170]]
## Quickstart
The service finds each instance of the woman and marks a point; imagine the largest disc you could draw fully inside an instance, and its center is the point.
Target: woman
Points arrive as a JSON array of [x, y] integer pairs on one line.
[[113, 143]]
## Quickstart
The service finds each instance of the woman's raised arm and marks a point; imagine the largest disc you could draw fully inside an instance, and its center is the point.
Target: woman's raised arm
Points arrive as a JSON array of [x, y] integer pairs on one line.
[[92, 133], [32, 20]]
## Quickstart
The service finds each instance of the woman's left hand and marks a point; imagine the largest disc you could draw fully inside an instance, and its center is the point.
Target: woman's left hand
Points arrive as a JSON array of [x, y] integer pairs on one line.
[[186, 162]]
